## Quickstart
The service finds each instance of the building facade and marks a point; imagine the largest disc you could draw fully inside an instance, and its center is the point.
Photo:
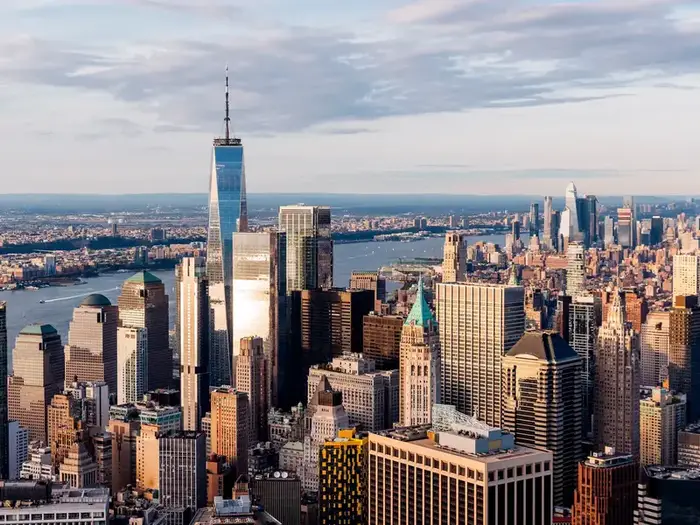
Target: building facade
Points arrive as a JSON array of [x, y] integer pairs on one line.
[[183, 473], [668, 496], [575, 269], [342, 480], [381, 339], [251, 377], [661, 417], [4, 429], [684, 352], [686, 274], [655, 340], [132, 364], [230, 420], [454, 262]]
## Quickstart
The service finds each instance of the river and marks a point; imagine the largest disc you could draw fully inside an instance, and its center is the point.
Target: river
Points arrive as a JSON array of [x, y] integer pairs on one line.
[[23, 307]]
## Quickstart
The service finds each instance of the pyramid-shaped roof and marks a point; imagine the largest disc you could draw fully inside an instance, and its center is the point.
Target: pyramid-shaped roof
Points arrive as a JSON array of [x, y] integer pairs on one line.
[[144, 277], [420, 315]]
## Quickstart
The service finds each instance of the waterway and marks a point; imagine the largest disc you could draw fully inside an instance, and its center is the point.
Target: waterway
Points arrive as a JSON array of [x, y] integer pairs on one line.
[[24, 307]]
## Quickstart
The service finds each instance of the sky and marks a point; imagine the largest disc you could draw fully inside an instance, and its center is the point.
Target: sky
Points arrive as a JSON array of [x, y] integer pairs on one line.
[[368, 96]]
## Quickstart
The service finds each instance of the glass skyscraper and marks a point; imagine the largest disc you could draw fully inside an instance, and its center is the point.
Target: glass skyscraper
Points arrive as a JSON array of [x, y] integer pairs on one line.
[[227, 214]]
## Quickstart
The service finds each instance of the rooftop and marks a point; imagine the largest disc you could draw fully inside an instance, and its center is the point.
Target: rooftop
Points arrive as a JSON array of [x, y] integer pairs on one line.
[[38, 329], [608, 458], [672, 473], [544, 345], [96, 300], [420, 315], [143, 277]]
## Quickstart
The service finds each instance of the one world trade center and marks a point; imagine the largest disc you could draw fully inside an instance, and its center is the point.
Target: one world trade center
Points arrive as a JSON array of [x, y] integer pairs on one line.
[[227, 214]]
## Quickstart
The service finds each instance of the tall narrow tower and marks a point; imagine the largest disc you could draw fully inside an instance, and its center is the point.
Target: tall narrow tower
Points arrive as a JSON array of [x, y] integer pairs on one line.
[[228, 213], [4, 448], [454, 257]]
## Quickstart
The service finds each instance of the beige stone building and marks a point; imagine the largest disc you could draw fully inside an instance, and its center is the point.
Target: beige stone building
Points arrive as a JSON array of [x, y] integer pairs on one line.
[[252, 379], [661, 417], [230, 420], [454, 263]]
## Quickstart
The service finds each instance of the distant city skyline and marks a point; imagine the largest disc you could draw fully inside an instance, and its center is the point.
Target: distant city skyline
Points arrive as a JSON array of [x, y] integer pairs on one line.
[[367, 97]]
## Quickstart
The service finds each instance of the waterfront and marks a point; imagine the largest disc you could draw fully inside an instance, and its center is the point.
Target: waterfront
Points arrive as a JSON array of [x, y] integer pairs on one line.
[[23, 307]]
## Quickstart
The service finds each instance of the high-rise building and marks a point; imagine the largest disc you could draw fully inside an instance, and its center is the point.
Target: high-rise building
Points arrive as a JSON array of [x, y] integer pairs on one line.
[[370, 397], [654, 348], [18, 448], [548, 233], [625, 227], [591, 220], [342, 483], [369, 280], [328, 418], [420, 368], [65, 426], [38, 375], [617, 382], [609, 229], [124, 435], [478, 324], [228, 213], [542, 388], [91, 352], [576, 269], [251, 379], [381, 339], [459, 471], [147, 457], [102, 444], [515, 229], [260, 301], [193, 337], [583, 316], [309, 246], [686, 274], [661, 416], [4, 429], [280, 494], [572, 226], [534, 218], [454, 262], [144, 304], [230, 420], [689, 446], [684, 352], [183, 472], [132, 364], [668, 495], [607, 489], [78, 469], [656, 234]]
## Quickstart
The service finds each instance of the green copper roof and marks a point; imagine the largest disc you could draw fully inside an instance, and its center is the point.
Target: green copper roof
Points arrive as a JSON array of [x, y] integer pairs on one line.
[[420, 313], [96, 299], [143, 277], [38, 329]]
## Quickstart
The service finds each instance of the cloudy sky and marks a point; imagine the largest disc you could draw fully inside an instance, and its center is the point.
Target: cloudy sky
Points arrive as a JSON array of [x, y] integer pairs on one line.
[[366, 96]]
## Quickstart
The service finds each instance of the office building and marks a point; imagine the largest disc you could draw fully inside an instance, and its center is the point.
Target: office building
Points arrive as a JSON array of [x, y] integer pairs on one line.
[[230, 420], [260, 301], [251, 377], [91, 352], [576, 269], [478, 323], [656, 234], [280, 495], [228, 213], [684, 352], [18, 448], [381, 339], [636, 307], [132, 364], [609, 230], [454, 262], [419, 364], [124, 435], [458, 471], [148, 413], [342, 483], [183, 473], [78, 469], [591, 220], [65, 426], [4, 429], [582, 330], [668, 496], [548, 233], [606, 493], [38, 375], [689, 445], [193, 338], [534, 218], [686, 274], [570, 227], [542, 388], [144, 304], [285, 426], [40, 504], [38, 464], [309, 246], [625, 227], [147, 457], [655, 341], [661, 416], [370, 280], [239, 510], [331, 322], [328, 417], [616, 415], [370, 397], [102, 444]]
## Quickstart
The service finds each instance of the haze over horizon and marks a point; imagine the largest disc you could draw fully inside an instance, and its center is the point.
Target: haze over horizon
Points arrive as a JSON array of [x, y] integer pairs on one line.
[[472, 97]]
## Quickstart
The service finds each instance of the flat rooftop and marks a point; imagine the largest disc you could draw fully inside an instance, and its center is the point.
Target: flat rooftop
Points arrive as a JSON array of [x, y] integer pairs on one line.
[[677, 473]]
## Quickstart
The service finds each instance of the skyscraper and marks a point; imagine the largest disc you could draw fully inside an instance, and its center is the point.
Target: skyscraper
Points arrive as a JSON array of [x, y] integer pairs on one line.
[[260, 301], [656, 234], [251, 378], [193, 338], [686, 274], [609, 229], [230, 420], [591, 219], [228, 213], [548, 232], [478, 323], [369, 280], [684, 352], [583, 320], [132, 364], [144, 304], [309, 246], [535, 218], [454, 263], [654, 348], [661, 417], [419, 372], [576, 269], [381, 339], [183, 473], [38, 375], [668, 495], [91, 352], [542, 389], [625, 227], [4, 429], [617, 383], [573, 226]]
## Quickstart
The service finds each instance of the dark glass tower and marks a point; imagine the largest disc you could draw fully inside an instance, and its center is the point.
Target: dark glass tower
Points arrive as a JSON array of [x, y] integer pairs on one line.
[[4, 452], [227, 214]]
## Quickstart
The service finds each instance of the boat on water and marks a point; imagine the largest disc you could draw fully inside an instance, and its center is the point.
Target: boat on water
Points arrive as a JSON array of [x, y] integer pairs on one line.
[[42, 301]]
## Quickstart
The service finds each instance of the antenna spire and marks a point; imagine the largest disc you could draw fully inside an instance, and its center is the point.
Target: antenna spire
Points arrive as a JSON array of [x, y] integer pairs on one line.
[[227, 120]]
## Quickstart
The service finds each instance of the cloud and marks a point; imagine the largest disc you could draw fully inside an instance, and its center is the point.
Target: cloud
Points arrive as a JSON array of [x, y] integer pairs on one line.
[[111, 127]]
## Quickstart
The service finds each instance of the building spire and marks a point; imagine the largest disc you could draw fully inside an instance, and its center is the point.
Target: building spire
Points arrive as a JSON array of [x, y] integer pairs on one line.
[[227, 120]]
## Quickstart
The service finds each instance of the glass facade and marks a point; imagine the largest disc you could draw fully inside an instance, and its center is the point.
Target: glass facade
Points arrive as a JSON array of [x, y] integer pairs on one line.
[[227, 214]]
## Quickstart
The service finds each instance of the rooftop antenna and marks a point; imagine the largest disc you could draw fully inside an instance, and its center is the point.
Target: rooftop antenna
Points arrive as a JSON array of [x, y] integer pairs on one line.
[[227, 120]]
